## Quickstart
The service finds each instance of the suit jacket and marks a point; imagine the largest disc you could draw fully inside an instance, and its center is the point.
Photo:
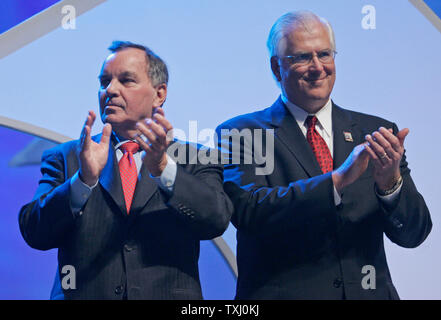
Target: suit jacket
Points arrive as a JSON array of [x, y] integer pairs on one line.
[[152, 253], [292, 241]]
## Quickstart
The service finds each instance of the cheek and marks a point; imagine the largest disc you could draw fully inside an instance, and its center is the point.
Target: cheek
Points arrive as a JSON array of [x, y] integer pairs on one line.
[[139, 104], [330, 70], [331, 78], [293, 78]]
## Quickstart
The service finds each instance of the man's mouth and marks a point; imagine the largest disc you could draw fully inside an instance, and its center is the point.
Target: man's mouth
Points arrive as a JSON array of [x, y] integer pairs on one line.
[[113, 104], [315, 79]]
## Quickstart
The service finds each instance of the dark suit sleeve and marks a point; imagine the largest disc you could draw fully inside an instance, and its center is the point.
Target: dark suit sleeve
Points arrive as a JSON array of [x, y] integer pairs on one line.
[[264, 209], [198, 197], [45, 220], [408, 222]]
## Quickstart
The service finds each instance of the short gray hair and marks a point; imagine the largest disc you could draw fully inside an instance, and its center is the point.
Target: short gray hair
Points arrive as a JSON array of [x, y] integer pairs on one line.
[[157, 69], [302, 18]]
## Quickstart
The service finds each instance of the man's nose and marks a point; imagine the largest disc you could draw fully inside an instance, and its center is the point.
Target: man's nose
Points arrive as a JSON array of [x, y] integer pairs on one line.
[[316, 64], [112, 88]]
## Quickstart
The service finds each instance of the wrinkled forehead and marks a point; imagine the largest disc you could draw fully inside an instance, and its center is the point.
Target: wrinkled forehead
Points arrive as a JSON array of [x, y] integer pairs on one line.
[[304, 36]]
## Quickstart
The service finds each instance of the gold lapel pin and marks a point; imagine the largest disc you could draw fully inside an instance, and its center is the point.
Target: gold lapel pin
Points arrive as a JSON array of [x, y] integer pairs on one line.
[[348, 136]]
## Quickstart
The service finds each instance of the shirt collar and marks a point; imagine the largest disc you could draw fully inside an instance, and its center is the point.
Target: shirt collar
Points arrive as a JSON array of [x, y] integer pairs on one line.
[[119, 141], [324, 115]]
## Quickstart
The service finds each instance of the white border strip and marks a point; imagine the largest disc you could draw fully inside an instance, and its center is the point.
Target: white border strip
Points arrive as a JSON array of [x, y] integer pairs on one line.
[[33, 130], [427, 12], [225, 250], [40, 24]]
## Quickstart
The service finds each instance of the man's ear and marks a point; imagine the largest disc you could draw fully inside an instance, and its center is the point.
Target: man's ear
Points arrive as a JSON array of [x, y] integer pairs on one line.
[[275, 67], [161, 95]]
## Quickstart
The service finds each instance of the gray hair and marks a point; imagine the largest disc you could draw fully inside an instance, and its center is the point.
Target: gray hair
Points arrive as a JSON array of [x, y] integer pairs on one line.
[[302, 18], [157, 69]]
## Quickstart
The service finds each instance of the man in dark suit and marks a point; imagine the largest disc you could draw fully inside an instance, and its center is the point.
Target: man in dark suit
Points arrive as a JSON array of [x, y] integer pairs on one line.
[[121, 211], [310, 219]]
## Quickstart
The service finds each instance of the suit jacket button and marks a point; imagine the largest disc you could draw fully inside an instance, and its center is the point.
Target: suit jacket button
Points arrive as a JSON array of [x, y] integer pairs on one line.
[[127, 248], [337, 282], [119, 289]]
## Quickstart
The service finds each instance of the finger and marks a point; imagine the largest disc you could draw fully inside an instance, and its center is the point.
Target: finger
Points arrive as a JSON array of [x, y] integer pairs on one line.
[[162, 121], [90, 120], [85, 133], [143, 144], [165, 126], [158, 110], [401, 135], [159, 131], [93, 116], [85, 137], [375, 159], [364, 153], [393, 141], [105, 137], [384, 142], [377, 148], [146, 131]]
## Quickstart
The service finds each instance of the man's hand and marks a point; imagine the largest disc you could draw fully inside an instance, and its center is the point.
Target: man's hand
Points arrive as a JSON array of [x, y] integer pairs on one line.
[[153, 138], [93, 156], [386, 151], [353, 167]]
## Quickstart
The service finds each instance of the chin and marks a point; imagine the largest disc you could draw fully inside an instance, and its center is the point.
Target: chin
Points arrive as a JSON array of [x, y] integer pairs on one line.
[[318, 93], [112, 119]]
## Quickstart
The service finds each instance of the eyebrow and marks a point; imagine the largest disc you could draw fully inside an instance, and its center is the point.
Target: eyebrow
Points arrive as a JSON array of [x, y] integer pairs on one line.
[[128, 74], [307, 52], [123, 74]]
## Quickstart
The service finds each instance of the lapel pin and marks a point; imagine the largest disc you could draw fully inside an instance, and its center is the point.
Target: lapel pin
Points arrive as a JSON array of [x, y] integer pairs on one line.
[[348, 136]]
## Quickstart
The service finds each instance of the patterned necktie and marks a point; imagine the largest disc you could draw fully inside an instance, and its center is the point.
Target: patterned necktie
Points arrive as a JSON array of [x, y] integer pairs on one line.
[[127, 170], [318, 145]]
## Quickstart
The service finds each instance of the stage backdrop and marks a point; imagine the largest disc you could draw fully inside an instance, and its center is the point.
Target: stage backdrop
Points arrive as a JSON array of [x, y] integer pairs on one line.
[[388, 64]]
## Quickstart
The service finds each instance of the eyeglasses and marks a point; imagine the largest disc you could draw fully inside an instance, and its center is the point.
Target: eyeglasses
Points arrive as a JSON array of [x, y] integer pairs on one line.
[[302, 59]]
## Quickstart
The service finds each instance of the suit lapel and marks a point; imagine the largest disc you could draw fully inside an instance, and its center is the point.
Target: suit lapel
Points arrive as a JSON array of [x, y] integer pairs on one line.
[[110, 178], [289, 133], [145, 188], [344, 128]]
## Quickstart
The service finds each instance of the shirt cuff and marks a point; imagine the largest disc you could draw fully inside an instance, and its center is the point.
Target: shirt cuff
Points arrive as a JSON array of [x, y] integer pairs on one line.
[[166, 180], [79, 193], [337, 198], [390, 198]]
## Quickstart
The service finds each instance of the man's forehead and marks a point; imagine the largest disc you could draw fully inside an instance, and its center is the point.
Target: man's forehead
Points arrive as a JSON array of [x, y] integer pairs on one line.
[[305, 34], [126, 59]]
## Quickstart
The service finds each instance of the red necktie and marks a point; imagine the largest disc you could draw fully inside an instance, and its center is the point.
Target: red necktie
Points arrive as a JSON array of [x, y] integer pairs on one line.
[[127, 170], [318, 145]]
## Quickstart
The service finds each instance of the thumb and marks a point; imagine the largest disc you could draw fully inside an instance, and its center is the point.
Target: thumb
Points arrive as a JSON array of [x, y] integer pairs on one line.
[[401, 135]]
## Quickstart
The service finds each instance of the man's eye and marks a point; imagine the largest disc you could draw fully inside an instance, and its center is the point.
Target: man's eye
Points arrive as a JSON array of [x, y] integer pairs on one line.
[[104, 83], [127, 80], [303, 57], [324, 54]]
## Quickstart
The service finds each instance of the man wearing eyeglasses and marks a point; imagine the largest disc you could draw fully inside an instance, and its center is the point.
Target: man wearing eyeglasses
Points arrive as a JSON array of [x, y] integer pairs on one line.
[[312, 227]]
